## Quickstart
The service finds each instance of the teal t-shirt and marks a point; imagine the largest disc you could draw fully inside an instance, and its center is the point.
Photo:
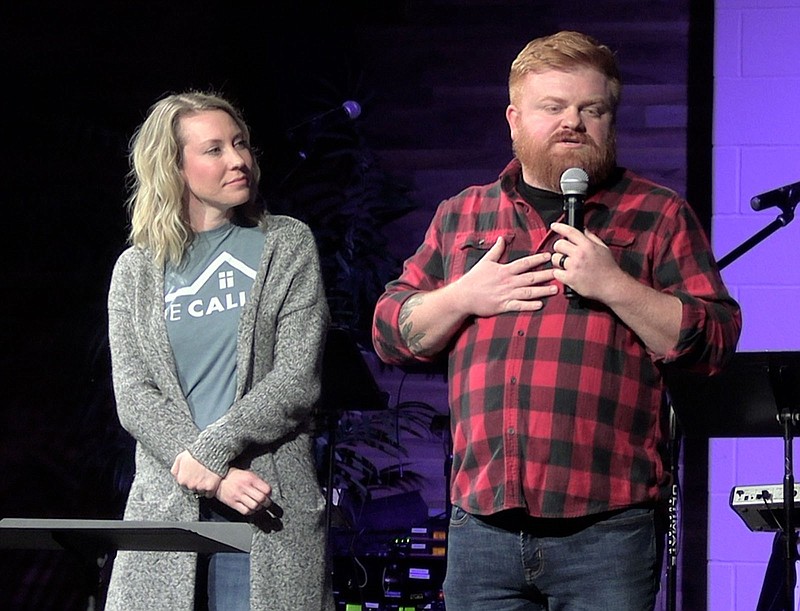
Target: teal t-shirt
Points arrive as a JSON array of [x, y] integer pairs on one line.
[[203, 298]]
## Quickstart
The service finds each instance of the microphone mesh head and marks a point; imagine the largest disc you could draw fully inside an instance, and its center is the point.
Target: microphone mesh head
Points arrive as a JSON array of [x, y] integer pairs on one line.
[[574, 181], [352, 108]]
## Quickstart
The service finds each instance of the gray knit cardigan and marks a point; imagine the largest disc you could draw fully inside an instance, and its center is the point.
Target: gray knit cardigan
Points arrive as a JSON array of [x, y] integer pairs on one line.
[[279, 353]]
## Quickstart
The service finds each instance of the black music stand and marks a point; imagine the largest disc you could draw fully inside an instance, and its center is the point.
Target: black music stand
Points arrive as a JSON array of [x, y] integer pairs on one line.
[[757, 395], [97, 537], [93, 541]]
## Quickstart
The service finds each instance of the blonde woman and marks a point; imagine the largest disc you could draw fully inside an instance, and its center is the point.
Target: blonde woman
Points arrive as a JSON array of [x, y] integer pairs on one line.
[[217, 318]]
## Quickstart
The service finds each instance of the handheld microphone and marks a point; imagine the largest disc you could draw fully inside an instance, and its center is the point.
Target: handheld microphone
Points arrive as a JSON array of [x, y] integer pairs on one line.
[[783, 197], [574, 185]]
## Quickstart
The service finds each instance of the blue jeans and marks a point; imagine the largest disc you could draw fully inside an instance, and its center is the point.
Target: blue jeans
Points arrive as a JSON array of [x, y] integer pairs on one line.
[[229, 582], [510, 562], [223, 578]]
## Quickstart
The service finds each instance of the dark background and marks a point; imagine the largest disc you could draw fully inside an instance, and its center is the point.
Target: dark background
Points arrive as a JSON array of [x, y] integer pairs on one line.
[[431, 79]]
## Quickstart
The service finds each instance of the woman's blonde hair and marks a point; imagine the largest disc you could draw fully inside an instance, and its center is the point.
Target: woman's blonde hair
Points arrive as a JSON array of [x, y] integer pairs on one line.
[[565, 51], [156, 204]]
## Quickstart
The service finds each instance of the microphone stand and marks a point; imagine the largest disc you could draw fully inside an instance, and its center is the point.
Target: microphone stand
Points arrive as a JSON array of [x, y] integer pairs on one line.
[[672, 513], [786, 417], [783, 219]]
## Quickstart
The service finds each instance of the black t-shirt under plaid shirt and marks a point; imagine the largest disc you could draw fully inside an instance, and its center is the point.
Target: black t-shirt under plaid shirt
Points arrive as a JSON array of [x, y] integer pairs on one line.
[[559, 411]]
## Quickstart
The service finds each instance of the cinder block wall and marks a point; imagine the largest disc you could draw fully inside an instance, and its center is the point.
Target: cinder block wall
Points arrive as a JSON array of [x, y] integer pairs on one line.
[[756, 149]]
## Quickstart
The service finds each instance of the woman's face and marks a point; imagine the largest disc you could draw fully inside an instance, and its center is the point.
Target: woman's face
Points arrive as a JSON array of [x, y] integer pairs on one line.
[[217, 167]]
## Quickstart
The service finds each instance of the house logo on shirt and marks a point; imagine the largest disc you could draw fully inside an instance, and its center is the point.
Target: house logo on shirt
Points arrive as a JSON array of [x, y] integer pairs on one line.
[[213, 291]]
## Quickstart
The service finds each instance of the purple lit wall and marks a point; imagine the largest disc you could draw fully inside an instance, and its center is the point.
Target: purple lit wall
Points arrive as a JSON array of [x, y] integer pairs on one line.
[[756, 148]]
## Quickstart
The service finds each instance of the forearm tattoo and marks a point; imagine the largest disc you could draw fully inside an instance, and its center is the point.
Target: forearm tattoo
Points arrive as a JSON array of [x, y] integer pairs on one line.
[[412, 340]]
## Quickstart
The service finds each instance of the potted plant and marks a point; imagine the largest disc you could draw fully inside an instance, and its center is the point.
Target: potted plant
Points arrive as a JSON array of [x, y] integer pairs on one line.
[[338, 188]]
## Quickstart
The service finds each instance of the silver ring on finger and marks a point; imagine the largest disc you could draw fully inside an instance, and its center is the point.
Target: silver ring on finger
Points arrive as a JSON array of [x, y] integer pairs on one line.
[[562, 261]]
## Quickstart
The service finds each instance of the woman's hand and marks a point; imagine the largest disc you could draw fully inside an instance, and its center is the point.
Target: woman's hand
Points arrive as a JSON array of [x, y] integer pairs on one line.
[[194, 476], [244, 491]]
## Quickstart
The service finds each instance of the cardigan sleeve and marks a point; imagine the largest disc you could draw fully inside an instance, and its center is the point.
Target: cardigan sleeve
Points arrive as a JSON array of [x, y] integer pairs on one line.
[[160, 421], [288, 333]]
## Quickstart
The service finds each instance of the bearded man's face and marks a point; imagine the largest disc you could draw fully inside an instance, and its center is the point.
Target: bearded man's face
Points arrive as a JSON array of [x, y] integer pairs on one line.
[[563, 120]]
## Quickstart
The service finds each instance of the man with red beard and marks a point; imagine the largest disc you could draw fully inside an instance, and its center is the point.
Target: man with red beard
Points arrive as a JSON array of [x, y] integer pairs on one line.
[[557, 408]]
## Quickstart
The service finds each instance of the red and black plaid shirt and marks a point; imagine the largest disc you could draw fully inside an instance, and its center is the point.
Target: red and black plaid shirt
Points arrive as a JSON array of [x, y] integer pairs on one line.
[[560, 411]]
